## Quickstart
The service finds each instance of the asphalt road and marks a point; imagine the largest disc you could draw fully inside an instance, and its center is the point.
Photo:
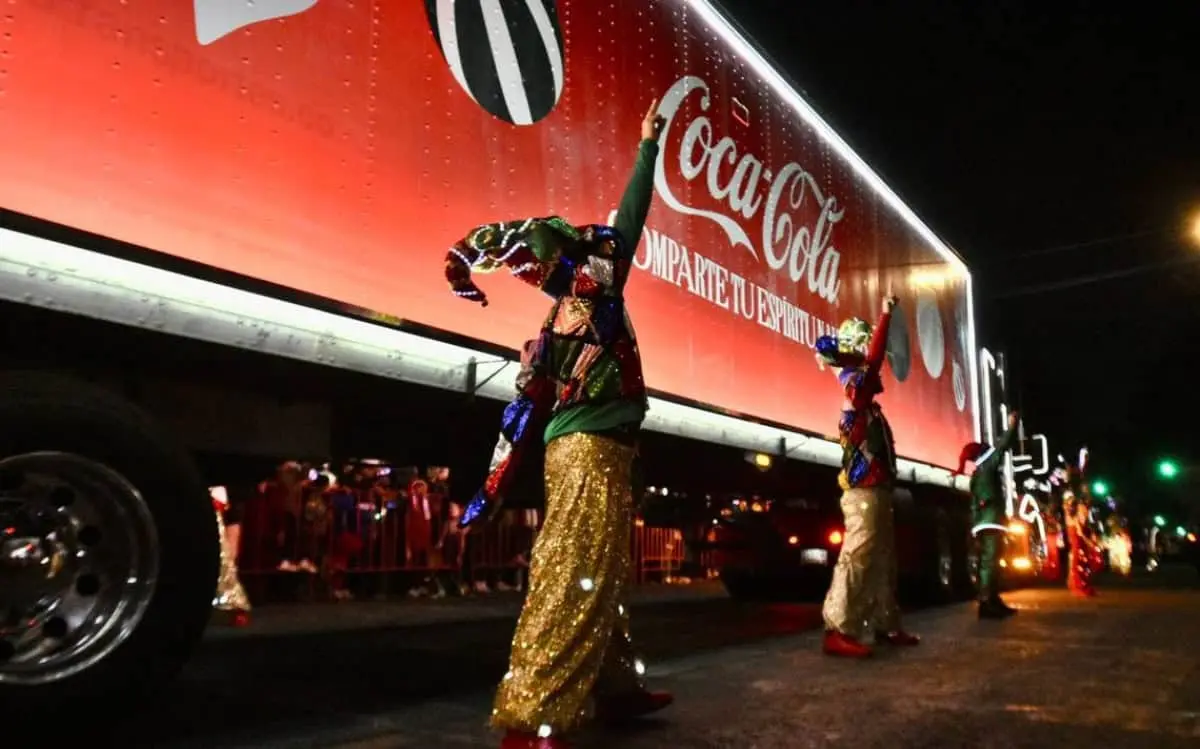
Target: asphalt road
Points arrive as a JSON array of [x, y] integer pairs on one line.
[[1122, 670]]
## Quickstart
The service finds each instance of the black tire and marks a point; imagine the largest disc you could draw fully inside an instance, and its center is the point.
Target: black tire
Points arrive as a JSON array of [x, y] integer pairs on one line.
[[969, 587], [743, 586], [940, 567], [966, 562], [811, 589], [40, 412]]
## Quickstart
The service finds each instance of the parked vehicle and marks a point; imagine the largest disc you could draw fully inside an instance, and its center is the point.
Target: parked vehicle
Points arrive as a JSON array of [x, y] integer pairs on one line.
[[786, 548]]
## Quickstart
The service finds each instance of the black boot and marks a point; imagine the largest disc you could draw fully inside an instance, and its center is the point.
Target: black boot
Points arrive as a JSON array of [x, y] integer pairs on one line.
[[993, 608], [1000, 604]]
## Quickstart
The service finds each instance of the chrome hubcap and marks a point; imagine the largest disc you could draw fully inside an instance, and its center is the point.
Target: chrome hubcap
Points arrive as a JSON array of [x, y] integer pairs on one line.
[[945, 561], [78, 565]]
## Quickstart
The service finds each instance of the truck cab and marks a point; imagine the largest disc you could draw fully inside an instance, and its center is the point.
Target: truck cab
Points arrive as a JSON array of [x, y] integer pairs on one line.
[[787, 547]]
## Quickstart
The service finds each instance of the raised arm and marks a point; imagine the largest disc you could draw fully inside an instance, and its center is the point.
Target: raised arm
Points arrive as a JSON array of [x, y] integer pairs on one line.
[[635, 203], [1009, 439], [862, 384], [548, 253], [995, 455], [879, 338]]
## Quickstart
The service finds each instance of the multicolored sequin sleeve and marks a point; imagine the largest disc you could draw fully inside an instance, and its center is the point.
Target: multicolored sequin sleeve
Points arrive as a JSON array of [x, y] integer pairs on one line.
[[868, 453], [862, 387], [520, 429]]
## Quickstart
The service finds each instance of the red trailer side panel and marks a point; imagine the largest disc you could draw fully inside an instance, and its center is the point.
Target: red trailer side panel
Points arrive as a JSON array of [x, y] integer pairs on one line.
[[339, 147]]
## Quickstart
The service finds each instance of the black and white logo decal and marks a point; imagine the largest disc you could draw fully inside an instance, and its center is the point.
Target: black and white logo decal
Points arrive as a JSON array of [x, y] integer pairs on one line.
[[506, 54]]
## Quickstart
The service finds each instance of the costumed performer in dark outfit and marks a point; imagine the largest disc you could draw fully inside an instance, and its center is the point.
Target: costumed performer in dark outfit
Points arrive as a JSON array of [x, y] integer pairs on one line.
[[990, 515], [863, 592], [583, 394], [1077, 507]]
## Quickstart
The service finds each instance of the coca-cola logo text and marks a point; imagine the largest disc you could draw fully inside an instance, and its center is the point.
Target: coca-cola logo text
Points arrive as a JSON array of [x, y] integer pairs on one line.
[[788, 242]]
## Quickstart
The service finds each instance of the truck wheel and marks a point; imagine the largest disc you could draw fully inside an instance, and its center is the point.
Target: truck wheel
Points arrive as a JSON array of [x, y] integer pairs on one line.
[[108, 547], [743, 586], [972, 587], [940, 577], [966, 566]]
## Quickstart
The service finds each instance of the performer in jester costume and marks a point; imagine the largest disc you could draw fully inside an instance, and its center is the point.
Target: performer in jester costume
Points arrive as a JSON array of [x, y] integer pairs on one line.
[[231, 598], [581, 392], [1077, 507], [989, 509], [863, 592]]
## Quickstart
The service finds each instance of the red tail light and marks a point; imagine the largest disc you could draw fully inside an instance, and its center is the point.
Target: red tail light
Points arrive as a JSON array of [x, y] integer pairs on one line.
[[835, 538]]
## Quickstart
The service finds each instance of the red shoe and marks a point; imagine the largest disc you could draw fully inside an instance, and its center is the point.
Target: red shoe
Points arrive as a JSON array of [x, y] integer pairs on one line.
[[844, 646], [631, 705], [522, 740], [241, 618], [899, 638]]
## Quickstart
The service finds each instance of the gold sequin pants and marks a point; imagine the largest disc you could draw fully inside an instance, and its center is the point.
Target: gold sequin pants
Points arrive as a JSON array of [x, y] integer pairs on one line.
[[1079, 574], [230, 595], [572, 640], [863, 594]]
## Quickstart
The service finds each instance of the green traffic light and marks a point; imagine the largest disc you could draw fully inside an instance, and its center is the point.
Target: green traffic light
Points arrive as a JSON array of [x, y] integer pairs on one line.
[[1167, 469], [1100, 488], [1160, 521]]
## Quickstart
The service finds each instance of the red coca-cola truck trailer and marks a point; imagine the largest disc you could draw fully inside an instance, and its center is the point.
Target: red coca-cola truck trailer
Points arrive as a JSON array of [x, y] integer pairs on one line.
[[223, 231]]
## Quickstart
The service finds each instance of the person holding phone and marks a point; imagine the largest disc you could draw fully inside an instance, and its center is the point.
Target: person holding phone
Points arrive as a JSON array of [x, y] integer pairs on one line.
[[582, 395], [863, 591], [989, 508]]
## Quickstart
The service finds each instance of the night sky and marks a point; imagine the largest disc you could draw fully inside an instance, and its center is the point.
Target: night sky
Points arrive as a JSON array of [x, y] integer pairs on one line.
[[1015, 129]]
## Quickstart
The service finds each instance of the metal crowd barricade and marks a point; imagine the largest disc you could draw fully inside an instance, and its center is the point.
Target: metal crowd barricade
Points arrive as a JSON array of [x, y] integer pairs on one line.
[[361, 541], [657, 552]]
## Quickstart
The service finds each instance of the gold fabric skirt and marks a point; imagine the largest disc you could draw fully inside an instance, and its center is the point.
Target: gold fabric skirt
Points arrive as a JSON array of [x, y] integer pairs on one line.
[[572, 641], [230, 595], [862, 597]]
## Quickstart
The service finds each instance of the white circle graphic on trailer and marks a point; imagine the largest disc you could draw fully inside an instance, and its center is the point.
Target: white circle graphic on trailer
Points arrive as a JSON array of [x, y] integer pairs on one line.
[[899, 354], [930, 334], [960, 385], [961, 329], [507, 56]]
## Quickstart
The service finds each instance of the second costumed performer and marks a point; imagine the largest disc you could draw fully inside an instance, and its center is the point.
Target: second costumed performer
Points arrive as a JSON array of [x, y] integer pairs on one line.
[[231, 598], [990, 516], [863, 592], [1077, 507], [581, 391]]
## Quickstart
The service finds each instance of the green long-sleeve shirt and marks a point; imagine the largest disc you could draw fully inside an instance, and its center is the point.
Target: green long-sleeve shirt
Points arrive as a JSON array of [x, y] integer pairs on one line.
[[630, 221], [987, 483]]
